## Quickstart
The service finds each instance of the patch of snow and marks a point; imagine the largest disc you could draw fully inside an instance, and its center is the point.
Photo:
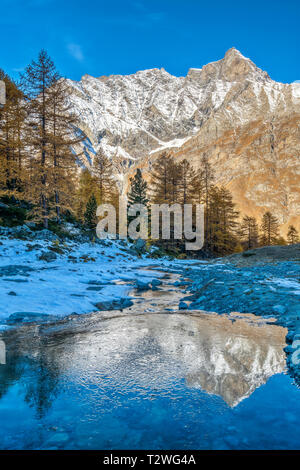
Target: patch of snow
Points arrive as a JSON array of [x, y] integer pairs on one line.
[[288, 284], [62, 287], [171, 144], [122, 153], [221, 90], [296, 90]]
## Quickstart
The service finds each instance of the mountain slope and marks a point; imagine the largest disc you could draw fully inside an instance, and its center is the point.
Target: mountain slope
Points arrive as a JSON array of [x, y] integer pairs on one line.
[[247, 123]]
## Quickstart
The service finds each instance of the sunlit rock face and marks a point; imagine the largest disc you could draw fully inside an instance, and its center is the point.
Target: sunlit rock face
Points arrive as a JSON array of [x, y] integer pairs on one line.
[[247, 124], [223, 355]]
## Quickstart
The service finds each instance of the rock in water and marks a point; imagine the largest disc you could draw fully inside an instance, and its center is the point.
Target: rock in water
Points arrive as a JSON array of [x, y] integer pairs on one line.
[[140, 245], [117, 304], [156, 282], [142, 285], [183, 305]]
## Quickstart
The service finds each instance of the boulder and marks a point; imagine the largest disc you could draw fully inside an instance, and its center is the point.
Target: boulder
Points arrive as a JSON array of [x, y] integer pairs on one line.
[[28, 317], [142, 285], [48, 256], [156, 282], [15, 270], [140, 245], [45, 235], [30, 224], [117, 304], [71, 229], [183, 305]]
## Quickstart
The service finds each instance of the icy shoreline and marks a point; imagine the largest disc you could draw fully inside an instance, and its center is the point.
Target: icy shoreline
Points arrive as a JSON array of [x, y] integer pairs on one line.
[[79, 277], [51, 279], [71, 277]]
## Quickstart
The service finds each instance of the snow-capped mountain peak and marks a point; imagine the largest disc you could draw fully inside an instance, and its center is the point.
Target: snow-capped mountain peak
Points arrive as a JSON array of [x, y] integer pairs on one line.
[[135, 117]]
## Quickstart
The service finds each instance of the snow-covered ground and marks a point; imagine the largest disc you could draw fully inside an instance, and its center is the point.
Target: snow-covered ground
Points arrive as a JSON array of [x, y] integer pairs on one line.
[[87, 277], [73, 283]]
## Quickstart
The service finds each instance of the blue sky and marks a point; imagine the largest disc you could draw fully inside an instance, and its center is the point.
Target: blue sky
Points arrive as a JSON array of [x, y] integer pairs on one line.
[[122, 36]]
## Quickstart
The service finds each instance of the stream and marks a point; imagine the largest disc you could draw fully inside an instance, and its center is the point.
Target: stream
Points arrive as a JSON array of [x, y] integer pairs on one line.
[[149, 377]]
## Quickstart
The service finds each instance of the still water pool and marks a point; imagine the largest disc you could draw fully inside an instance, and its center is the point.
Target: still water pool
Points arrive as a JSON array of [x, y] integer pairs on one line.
[[150, 381]]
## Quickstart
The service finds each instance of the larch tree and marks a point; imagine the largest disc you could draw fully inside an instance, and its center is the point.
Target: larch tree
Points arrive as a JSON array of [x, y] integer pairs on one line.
[[12, 154], [102, 171], [292, 235], [203, 183], [49, 139], [37, 81], [222, 222], [160, 180], [175, 182], [86, 188], [63, 139], [187, 178], [269, 229], [249, 232], [166, 188]]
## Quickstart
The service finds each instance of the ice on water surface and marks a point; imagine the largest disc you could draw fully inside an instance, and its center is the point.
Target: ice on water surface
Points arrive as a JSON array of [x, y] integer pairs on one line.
[[157, 380]]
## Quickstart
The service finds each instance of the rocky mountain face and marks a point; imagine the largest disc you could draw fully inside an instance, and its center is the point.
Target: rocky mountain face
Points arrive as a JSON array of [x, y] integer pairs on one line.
[[247, 124]]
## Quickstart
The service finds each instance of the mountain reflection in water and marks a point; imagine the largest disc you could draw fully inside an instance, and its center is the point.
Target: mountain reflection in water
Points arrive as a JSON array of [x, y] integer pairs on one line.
[[115, 380], [227, 356]]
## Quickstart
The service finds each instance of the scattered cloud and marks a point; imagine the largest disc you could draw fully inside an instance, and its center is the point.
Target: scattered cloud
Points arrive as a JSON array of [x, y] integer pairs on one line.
[[75, 51]]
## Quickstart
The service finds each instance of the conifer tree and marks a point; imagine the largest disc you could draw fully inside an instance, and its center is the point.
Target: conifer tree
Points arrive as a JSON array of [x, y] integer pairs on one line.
[[281, 241], [90, 217], [222, 222], [62, 141], [269, 228], [175, 182], [12, 155], [161, 180], [249, 232], [49, 126], [86, 188], [37, 80], [138, 190], [292, 235], [203, 180], [102, 171], [166, 188], [187, 178], [203, 187]]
